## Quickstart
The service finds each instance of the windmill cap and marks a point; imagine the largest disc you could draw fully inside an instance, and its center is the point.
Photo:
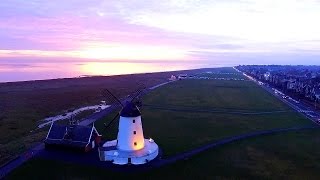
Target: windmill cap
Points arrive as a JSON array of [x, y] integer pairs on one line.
[[130, 110]]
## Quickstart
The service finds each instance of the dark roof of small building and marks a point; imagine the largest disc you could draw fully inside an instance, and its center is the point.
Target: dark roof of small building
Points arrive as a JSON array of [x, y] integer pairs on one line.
[[56, 131], [130, 110], [74, 135], [317, 91]]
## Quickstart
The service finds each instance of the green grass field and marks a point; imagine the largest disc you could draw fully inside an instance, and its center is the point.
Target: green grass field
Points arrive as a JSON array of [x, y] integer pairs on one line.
[[175, 132], [243, 95], [221, 73], [24, 104], [294, 155]]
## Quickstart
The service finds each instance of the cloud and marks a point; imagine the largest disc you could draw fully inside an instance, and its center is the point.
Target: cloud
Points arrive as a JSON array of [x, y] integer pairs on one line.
[[20, 65], [190, 27], [260, 21]]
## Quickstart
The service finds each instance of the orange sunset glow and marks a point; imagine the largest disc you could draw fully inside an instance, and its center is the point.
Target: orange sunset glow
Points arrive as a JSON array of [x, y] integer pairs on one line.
[[115, 68]]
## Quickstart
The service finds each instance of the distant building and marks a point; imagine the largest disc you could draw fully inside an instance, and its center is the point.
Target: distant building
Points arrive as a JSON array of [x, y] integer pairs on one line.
[[172, 78], [267, 76], [182, 76], [316, 93], [76, 137], [103, 103], [291, 85]]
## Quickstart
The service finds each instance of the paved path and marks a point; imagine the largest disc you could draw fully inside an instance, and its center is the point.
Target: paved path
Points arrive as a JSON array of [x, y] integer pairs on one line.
[[230, 140], [10, 166], [299, 107], [93, 159], [159, 85], [32, 152]]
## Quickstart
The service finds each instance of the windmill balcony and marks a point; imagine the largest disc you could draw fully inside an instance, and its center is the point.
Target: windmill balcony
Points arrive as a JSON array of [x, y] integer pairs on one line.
[[109, 152]]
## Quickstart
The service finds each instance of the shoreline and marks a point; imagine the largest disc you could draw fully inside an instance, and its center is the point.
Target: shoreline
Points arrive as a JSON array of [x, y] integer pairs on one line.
[[98, 76]]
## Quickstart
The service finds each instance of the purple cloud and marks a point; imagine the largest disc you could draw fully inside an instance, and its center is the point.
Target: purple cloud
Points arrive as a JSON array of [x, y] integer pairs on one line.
[[76, 24]]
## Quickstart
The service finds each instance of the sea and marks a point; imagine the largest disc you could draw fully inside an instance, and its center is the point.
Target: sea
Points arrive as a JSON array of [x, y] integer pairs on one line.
[[41, 70]]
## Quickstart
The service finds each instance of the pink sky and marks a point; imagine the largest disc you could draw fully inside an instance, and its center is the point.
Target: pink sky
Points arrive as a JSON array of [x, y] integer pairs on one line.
[[215, 32]]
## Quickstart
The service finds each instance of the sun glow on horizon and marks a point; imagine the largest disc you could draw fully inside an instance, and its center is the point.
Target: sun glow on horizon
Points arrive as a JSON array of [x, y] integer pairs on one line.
[[117, 68]]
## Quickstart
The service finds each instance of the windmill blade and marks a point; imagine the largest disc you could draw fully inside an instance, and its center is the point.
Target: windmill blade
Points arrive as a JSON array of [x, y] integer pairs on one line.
[[116, 104], [110, 99], [107, 93], [110, 123], [115, 97], [144, 92], [131, 96], [138, 103], [136, 95]]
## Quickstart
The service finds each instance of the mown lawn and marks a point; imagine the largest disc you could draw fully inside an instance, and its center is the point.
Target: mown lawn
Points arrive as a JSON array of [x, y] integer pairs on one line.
[[244, 95], [176, 132], [291, 155], [24, 104], [221, 73]]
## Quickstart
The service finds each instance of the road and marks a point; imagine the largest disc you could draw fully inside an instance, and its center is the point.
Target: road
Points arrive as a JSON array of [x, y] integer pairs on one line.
[[300, 107], [7, 168], [10, 166]]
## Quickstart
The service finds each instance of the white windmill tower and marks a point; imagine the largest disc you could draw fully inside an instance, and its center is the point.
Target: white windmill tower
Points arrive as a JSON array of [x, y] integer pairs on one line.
[[130, 147], [130, 134]]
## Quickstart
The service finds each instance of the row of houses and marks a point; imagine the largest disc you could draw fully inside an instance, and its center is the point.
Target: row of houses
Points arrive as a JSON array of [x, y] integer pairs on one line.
[[299, 80]]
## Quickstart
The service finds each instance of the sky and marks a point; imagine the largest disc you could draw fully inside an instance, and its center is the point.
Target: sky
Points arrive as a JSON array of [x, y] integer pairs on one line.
[[210, 32]]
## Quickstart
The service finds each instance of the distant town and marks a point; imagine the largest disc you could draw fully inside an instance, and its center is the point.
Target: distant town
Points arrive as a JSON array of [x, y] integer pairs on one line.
[[301, 82]]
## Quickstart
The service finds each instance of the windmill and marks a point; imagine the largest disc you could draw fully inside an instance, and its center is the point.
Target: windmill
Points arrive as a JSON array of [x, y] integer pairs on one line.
[[130, 147], [112, 99]]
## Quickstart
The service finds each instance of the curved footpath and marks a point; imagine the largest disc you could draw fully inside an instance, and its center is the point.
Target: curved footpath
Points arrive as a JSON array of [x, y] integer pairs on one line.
[[196, 151], [92, 158]]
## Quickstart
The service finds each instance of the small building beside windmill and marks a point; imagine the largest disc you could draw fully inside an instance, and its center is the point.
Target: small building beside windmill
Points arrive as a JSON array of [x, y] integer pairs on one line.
[[75, 137], [130, 147]]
